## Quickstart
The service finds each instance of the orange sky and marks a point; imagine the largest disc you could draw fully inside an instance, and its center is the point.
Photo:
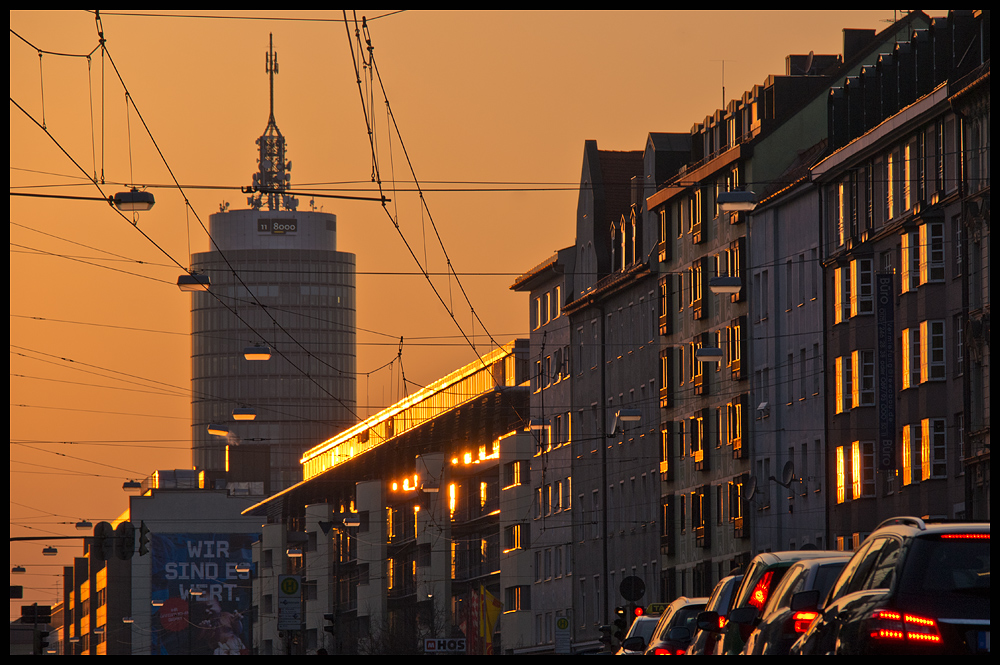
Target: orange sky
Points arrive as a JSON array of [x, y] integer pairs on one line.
[[488, 98]]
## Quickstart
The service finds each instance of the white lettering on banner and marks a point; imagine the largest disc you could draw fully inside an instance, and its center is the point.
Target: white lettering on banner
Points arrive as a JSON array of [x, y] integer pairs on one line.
[[218, 592], [176, 570], [214, 549]]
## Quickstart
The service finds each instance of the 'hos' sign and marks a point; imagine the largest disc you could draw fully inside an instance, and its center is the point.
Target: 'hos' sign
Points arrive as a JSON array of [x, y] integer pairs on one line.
[[433, 645]]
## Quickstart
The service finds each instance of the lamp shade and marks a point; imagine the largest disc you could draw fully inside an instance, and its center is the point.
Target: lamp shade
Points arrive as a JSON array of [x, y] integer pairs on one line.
[[719, 285], [133, 200], [257, 353], [708, 355], [629, 415], [194, 282], [244, 413], [737, 201], [218, 430]]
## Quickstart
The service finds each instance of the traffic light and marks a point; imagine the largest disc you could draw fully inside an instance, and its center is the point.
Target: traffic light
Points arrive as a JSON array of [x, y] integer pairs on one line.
[[621, 624], [606, 636], [104, 542], [39, 616], [125, 541], [143, 539], [332, 619], [40, 641]]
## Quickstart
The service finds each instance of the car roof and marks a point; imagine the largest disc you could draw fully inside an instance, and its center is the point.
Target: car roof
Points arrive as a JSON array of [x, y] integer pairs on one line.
[[792, 556], [911, 524]]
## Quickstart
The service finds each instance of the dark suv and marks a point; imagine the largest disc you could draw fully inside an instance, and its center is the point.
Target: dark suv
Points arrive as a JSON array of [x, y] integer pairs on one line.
[[913, 587]]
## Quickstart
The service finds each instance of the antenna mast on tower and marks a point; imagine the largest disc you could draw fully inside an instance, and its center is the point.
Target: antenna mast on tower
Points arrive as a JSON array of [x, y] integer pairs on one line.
[[273, 174]]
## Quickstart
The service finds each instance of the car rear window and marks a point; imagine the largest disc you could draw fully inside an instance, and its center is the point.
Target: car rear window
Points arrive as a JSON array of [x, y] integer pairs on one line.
[[937, 565], [757, 589], [643, 627]]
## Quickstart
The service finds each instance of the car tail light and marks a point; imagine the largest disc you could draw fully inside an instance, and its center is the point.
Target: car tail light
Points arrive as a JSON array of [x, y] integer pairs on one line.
[[892, 625], [760, 591], [965, 536], [668, 652], [802, 620]]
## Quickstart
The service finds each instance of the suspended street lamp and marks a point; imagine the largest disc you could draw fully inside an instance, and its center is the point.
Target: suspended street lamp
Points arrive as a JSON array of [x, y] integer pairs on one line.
[[244, 413], [708, 355], [257, 353], [218, 430], [722, 284], [194, 281], [133, 201], [737, 201]]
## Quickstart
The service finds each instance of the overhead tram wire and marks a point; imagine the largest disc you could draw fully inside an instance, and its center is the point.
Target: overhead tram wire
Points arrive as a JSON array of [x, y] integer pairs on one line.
[[104, 196], [423, 201], [377, 177], [229, 264], [186, 392]]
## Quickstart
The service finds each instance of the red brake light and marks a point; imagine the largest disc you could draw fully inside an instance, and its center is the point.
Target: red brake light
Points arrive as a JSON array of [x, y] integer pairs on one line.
[[760, 591], [966, 536], [802, 620], [892, 625]]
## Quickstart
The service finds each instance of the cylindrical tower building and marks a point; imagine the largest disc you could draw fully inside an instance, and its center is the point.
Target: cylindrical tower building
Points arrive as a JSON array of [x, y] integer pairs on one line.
[[277, 280]]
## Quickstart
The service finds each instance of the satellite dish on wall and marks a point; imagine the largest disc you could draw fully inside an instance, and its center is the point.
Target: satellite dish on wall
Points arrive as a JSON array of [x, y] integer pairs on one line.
[[788, 473], [751, 487]]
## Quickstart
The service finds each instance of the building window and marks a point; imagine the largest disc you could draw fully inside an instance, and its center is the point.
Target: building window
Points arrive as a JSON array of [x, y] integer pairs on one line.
[[517, 598], [863, 373], [933, 450], [735, 350], [841, 295], [512, 474], [911, 357], [932, 354], [698, 438], [841, 476], [843, 378], [863, 469], [734, 424], [910, 261], [863, 287], [912, 443], [932, 252]]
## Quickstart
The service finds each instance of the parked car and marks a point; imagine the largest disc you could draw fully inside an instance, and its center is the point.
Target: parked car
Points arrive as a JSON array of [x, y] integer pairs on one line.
[[763, 575], [673, 631], [913, 587], [779, 626], [711, 623], [638, 636]]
